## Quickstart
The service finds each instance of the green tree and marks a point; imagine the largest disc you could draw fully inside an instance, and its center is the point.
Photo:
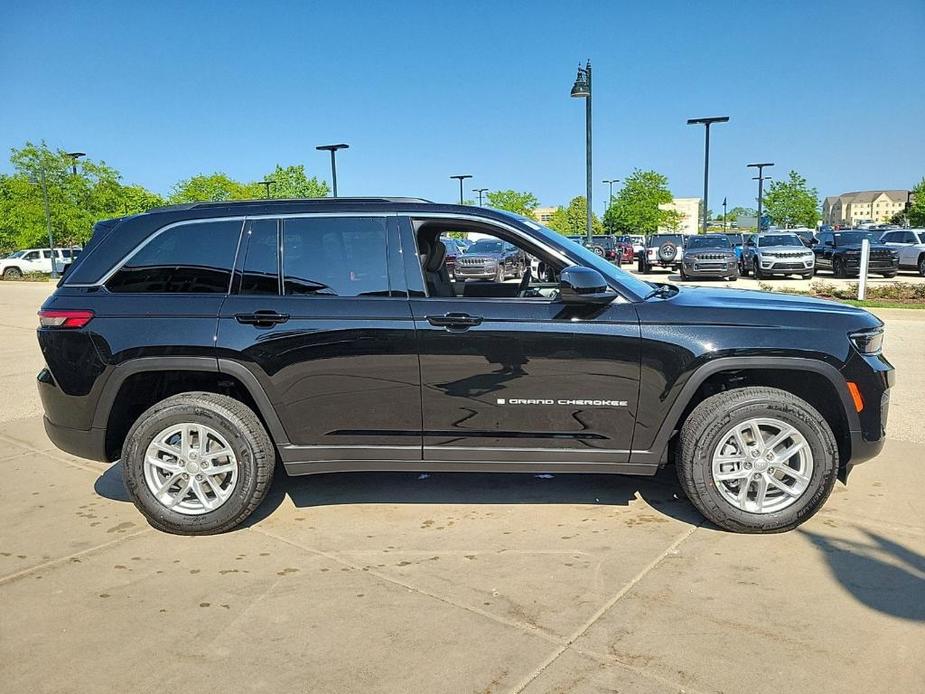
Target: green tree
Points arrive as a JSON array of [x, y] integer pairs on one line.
[[75, 201], [573, 220], [513, 201], [212, 187], [635, 209], [792, 202], [917, 209], [292, 182]]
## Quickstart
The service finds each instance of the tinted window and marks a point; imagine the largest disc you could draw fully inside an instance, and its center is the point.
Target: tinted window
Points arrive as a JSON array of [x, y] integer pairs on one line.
[[335, 256], [34, 255], [779, 240], [189, 258], [708, 242], [485, 246], [260, 247]]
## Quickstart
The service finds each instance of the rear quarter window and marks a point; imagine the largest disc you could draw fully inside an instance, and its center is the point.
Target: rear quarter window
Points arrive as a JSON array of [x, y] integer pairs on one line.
[[191, 258]]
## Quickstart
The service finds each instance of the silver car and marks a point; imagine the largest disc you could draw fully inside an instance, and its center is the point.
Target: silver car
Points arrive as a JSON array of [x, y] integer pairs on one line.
[[767, 255]]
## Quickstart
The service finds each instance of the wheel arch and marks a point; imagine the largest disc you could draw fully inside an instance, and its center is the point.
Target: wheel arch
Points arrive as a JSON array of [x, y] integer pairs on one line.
[[159, 377], [692, 393]]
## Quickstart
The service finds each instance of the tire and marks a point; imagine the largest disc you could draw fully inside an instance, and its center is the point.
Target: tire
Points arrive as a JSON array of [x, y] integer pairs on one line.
[[756, 268], [709, 425], [644, 267], [890, 275], [683, 274], [743, 269], [838, 268], [245, 436], [922, 266], [12, 273], [499, 275], [807, 275]]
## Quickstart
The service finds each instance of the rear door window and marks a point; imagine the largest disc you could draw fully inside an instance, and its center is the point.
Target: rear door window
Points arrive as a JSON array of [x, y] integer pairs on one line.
[[335, 256], [192, 258], [260, 249]]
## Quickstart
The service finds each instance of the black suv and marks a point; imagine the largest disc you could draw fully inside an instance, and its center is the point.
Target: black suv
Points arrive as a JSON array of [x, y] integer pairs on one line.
[[491, 259], [202, 343], [840, 252], [662, 250]]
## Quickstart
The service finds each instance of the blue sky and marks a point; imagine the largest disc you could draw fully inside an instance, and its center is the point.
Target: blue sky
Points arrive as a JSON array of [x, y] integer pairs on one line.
[[422, 90]]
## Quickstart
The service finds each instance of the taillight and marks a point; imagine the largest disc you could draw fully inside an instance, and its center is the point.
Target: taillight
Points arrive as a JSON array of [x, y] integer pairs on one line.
[[64, 318]]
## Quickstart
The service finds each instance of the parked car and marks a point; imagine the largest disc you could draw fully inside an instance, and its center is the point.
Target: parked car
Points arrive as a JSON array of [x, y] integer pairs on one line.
[[662, 250], [807, 236], [212, 340], [709, 256], [767, 255], [491, 259], [910, 244], [737, 241], [17, 264], [840, 252]]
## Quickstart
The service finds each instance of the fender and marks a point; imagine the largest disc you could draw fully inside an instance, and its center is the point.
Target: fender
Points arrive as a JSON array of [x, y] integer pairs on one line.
[[210, 364], [654, 455]]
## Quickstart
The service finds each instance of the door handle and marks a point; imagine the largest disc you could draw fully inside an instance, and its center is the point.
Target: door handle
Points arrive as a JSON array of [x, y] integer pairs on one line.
[[262, 318], [454, 321]]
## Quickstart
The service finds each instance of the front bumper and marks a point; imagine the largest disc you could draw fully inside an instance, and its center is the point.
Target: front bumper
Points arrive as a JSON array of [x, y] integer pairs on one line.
[[853, 265], [711, 268], [481, 273], [875, 377], [795, 266]]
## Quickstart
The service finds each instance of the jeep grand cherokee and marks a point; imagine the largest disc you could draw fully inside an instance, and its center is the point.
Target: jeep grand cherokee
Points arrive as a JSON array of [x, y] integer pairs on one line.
[[201, 343]]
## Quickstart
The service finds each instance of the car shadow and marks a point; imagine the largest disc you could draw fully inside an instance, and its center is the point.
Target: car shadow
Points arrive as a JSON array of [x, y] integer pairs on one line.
[[661, 491], [882, 573]]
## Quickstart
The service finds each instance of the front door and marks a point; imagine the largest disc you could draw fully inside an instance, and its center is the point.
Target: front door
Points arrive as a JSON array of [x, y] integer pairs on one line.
[[526, 380], [312, 315]]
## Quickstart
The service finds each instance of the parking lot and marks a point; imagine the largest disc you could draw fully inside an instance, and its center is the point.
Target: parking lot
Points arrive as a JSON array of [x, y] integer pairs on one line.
[[456, 582]]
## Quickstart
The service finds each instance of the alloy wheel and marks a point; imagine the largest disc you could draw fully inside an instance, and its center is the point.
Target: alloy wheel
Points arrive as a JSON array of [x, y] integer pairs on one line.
[[762, 465], [190, 469]]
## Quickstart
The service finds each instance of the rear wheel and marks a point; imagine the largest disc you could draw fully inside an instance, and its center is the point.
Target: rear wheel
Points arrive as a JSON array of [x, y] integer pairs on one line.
[[922, 266], [889, 275], [756, 460], [643, 266], [12, 273], [838, 268], [197, 463]]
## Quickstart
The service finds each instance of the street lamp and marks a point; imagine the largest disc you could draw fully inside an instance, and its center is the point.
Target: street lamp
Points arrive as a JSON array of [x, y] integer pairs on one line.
[[582, 90], [609, 182], [761, 179], [266, 184], [74, 157], [706, 122], [461, 178], [480, 191], [332, 149], [724, 215]]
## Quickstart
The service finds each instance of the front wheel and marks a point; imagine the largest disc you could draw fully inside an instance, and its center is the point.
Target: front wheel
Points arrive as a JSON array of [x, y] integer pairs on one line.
[[12, 273], [889, 275], [756, 460], [197, 463], [757, 271], [922, 266], [838, 268]]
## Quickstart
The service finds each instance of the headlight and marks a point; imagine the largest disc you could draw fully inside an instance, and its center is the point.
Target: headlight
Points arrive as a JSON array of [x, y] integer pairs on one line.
[[868, 341]]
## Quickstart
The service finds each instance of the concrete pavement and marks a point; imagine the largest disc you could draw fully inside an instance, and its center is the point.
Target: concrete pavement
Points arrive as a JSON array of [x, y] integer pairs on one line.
[[454, 582]]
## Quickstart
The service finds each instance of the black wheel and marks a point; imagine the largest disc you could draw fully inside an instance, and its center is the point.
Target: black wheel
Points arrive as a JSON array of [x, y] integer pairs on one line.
[[890, 275], [756, 268], [756, 460], [922, 266], [197, 463], [683, 274], [499, 275], [807, 275], [743, 269], [12, 273], [644, 267], [838, 268]]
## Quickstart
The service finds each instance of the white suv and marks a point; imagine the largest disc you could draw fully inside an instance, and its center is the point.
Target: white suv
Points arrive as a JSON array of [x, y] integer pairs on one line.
[[14, 266], [911, 246]]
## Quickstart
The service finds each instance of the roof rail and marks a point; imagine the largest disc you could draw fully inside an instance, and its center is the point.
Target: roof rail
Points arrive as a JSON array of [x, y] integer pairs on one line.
[[282, 201]]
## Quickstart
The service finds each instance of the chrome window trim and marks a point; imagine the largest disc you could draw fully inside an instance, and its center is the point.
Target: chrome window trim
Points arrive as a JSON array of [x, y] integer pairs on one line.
[[208, 220]]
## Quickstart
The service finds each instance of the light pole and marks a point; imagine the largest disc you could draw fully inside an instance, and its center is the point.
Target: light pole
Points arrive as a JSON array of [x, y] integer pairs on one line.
[[582, 90], [480, 191], [266, 184], [609, 182], [51, 239], [761, 179], [706, 122], [332, 149], [461, 178], [724, 215], [74, 157]]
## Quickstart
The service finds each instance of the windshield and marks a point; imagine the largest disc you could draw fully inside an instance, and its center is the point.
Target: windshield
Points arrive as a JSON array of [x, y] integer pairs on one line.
[[587, 257], [485, 246], [659, 239], [17, 254], [735, 239], [779, 240], [849, 238], [695, 242]]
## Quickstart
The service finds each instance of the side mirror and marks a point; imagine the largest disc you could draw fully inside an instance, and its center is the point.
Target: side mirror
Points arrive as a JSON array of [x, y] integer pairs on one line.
[[583, 285], [814, 242]]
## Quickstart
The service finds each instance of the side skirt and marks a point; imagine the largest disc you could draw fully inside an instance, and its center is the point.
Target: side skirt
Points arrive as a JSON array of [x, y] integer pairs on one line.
[[324, 466]]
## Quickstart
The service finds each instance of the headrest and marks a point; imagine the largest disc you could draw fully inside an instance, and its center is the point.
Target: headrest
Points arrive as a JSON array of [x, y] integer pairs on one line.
[[424, 249], [436, 257]]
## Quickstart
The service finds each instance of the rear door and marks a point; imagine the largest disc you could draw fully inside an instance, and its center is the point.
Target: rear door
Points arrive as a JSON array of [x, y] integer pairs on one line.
[[313, 317]]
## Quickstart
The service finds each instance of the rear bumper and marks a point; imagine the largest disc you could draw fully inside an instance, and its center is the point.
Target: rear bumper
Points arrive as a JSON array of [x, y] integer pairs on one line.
[[89, 444]]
